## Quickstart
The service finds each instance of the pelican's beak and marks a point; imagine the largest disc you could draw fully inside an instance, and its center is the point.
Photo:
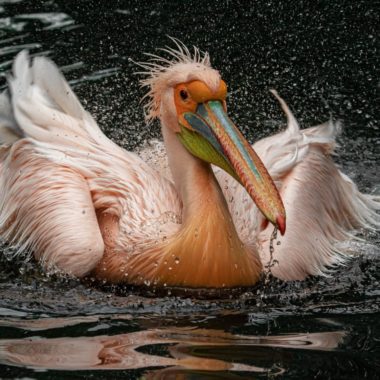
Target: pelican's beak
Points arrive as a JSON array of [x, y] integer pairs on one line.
[[214, 138]]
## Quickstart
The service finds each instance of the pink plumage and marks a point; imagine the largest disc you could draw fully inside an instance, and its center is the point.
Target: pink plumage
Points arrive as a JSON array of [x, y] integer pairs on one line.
[[85, 206]]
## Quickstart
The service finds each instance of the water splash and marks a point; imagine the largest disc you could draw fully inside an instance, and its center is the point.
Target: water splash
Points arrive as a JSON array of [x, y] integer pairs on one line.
[[272, 262]]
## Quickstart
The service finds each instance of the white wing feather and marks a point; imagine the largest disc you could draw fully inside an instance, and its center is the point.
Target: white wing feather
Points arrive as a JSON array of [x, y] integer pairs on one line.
[[59, 164], [323, 205]]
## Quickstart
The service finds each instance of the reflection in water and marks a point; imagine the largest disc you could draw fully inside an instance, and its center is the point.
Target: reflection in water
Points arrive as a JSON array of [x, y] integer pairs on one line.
[[186, 348]]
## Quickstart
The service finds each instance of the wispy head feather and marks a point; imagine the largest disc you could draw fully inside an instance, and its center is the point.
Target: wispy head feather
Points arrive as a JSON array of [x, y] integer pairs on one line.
[[182, 66]]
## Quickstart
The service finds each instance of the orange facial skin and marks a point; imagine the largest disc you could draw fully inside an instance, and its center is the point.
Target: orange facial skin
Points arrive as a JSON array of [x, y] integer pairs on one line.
[[187, 96]]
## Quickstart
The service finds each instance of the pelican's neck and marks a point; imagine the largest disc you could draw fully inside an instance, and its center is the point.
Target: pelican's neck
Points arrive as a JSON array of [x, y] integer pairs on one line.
[[207, 251], [193, 178]]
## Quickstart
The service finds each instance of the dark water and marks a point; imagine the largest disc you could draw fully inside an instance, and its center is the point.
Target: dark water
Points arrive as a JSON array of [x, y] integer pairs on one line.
[[323, 58]]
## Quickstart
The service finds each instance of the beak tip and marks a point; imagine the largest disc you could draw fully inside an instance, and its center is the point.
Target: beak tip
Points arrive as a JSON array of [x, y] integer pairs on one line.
[[280, 223]]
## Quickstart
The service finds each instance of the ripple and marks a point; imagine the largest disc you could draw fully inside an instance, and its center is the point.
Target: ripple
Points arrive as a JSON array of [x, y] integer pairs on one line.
[[52, 20], [10, 24], [187, 348], [2, 2], [17, 48]]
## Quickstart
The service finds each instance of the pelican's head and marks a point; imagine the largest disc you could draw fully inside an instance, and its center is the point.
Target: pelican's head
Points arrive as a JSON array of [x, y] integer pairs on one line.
[[189, 97]]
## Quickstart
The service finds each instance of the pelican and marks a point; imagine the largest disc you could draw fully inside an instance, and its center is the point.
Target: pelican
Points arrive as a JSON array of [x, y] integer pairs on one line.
[[199, 216]]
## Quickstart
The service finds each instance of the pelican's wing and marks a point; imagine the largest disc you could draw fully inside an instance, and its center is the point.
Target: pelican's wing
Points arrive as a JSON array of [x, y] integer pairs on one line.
[[58, 172], [9, 130], [47, 209], [322, 204], [43, 107], [46, 206]]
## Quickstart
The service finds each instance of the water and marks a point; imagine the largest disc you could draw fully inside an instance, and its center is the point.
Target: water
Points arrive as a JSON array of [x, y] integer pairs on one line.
[[323, 59]]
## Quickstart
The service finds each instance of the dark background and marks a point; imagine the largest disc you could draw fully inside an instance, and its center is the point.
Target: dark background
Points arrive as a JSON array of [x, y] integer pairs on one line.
[[322, 56]]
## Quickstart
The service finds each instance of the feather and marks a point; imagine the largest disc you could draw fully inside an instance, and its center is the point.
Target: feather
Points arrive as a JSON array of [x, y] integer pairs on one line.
[[9, 130], [61, 164], [183, 66], [323, 205]]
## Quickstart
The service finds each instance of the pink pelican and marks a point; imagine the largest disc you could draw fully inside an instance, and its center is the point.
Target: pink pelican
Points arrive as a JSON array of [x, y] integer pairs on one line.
[[86, 207]]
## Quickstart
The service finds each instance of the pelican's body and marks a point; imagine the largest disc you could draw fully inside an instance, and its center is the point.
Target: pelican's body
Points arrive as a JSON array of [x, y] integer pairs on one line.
[[85, 206]]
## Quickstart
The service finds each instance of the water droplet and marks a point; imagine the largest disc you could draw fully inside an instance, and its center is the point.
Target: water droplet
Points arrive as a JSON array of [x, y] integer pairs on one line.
[[176, 260]]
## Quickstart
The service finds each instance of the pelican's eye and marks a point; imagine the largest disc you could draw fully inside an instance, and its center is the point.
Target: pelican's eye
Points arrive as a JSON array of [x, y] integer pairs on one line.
[[183, 94]]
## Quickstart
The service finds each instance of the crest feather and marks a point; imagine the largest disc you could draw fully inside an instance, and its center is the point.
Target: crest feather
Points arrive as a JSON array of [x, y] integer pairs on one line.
[[183, 65]]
